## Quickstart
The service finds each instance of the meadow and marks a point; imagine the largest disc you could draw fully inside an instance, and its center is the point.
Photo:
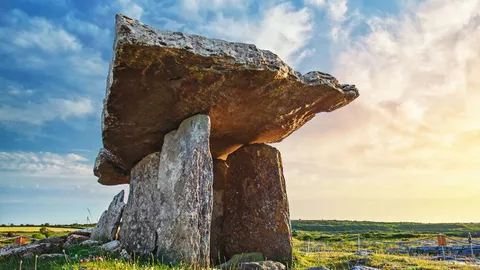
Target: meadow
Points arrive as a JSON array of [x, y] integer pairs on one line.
[[333, 244]]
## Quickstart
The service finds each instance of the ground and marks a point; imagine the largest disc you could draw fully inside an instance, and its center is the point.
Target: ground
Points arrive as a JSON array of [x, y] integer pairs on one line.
[[333, 244]]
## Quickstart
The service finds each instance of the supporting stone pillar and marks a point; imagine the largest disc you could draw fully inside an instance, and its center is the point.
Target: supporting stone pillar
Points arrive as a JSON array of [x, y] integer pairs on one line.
[[217, 239], [169, 210], [256, 212]]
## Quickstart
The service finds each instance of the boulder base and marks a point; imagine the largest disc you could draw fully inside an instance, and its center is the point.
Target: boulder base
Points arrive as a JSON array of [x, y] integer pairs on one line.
[[256, 217], [170, 207]]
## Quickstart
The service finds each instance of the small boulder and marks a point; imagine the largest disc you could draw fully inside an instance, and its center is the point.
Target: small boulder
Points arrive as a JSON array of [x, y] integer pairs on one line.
[[107, 226], [90, 243], [124, 255], [112, 246], [51, 256], [363, 267], [242, 258], [265, 265], [318, 268], [85, 232], [74, 239]]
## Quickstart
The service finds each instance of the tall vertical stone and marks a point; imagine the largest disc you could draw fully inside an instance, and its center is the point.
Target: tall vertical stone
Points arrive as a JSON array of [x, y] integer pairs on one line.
[[217, 244], [107, 226], [171, 198], [256, 212]]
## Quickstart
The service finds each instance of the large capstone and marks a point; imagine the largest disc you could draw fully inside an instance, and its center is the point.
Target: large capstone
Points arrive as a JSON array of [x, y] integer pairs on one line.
[[159, 78], [107, 226], [170, 206], [256, 212]]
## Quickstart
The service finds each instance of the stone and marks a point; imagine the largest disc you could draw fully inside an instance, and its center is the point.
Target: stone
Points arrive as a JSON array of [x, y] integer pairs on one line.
[[265, 265], [217, 245], [256, 217], [107, 227], [85, 232], [125, 256], [318, 268], [112, 246], [170, 205], [363, 267], [241, 258], [74, 239], [90, 243], [159, 78], [47, 245], [51, 256]]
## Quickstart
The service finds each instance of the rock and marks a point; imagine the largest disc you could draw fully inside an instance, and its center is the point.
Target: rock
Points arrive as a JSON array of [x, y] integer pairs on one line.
[[124, 255], [90, 243], [112, 246], [241, 258], [51, 256], [170, 205], [159, 78], [363, 267], [74, 239], [265, 265], [217, 245], [85, 232], [318, 268], [107, 226], [47, 245], [256, 207]]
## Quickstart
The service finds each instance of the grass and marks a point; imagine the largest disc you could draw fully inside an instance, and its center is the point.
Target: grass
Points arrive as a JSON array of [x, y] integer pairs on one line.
[[23, 229], [338, 240]]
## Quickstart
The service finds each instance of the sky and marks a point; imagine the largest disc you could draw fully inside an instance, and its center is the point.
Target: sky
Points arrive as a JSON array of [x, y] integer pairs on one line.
[[406, 150]]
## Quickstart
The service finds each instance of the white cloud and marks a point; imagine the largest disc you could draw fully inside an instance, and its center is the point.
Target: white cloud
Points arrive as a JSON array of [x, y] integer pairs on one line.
[[52, 109], [318, 3], [40, 33], [337, 10], [414, 129], [130, 9], [281, 29], [44, 164]]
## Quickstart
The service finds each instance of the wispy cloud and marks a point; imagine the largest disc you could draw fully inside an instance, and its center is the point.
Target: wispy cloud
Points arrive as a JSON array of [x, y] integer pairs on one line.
[[52, 109]]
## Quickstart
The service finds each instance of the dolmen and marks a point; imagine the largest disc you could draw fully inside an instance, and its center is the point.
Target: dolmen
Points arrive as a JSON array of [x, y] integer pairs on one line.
[[186, 121]]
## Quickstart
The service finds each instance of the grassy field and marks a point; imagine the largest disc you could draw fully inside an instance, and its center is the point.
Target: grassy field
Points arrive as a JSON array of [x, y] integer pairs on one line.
[[338, 241], [24, 229]]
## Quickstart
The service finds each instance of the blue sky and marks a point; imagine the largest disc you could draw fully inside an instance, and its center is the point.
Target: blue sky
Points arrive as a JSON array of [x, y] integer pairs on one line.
[[55, 56]]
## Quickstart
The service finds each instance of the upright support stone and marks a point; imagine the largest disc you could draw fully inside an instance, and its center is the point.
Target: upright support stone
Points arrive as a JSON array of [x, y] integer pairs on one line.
[[217, 244], [256, 217], [107, 226], [170, 206]]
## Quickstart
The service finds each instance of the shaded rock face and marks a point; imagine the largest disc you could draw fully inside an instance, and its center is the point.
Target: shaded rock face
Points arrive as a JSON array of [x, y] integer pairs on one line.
[[266, 265], [256, 212], [170, 206], [217, 245], [107, 227], [75, 239], [159, 78]]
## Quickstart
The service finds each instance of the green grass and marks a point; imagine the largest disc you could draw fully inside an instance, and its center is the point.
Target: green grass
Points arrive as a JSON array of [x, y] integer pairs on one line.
[[23, 229]]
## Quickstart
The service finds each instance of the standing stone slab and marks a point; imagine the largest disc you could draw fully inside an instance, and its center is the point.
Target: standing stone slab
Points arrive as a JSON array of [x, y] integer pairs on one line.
[[107, 226], [256, 217], [170, 208], [217, 245]]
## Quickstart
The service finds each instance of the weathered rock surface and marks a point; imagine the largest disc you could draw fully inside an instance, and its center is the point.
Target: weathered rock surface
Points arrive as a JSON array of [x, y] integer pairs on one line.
[[257, 215], [47, 245], [112, 246], [170, 205], [159, 78], [217, 245], [236, 259], [90, 243], [85, 232], [74, 239], [318, 268], [107, 227], [51, 256], [265, 265]]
